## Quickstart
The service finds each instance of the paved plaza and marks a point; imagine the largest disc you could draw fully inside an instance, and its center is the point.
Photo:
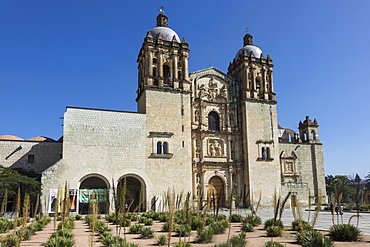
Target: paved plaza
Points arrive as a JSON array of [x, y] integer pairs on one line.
[[323, 222]]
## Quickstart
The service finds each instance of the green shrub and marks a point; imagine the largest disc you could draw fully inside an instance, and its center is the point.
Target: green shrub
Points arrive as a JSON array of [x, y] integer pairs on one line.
[[273, 222], [222, 217], [313, 238], [60, 242], [148, 221], [142, 219], [196, 223], [209, 220], [183, 230], [305, 226], [9, 240], [132, 216], [5, 225], [253, 219], [124, 223], [182, 244], [146, 233], [236, 218], [78, 217], [205, 235], [66, 233], [135, 229], [110, 217], [344, 232], [273, 244], [218, 228], [247, 227], [162, 240], [274, 231], [166, 227], [225, 223], [237, 241], [164, 217]]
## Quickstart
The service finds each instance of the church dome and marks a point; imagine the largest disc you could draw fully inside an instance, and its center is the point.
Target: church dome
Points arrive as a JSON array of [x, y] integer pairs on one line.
[[163, 29], [167, 33], [10, 138], [249, 47]]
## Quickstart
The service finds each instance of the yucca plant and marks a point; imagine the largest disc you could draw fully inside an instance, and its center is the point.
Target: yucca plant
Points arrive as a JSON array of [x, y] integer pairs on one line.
[[253, 219], [273, 244], [237, 241], [205, 235], [146, 233], [59, 242], [162, 240], [274, 231], [273, 222], [247, 227], [135, 229], [236, 218], [182, 244], [218, 228], [196, 223], [183, 230], [313, 238], [301, 226], [344, 232]]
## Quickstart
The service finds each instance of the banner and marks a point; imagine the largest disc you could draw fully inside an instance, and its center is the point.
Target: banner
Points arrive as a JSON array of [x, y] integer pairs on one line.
[[73, 200], [93, 195], [53, 200]]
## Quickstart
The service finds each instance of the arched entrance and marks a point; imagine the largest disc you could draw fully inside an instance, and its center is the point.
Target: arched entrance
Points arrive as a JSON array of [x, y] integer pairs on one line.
[[135, 192], [216, 192], [93, 189]]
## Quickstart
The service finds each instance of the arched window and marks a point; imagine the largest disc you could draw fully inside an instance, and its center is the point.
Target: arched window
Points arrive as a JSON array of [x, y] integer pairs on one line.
[[304, 136], [213, 121], [179, 75], [159, 147], [154, 60], [313, 135], [165, 147], [166, 73]]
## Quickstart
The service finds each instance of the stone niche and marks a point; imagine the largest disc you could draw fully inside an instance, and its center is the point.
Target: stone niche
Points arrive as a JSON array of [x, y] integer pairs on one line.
[[215, 149]]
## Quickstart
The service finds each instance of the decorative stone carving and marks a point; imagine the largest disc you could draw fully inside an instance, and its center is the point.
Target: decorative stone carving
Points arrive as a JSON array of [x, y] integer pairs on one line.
[[212, 91], [215, 148]]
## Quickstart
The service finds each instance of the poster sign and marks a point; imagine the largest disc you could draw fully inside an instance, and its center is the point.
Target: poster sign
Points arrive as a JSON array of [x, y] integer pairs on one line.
[[92, 195], [53, 200], [73, 200]]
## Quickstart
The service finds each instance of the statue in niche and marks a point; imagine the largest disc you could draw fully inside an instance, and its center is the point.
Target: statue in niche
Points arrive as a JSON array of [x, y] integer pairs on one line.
[[196, 116], [202, 91], [212, 149], [289, 167]]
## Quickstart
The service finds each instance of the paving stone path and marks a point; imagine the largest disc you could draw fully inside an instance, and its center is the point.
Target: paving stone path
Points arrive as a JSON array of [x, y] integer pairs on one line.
[[40, 237]]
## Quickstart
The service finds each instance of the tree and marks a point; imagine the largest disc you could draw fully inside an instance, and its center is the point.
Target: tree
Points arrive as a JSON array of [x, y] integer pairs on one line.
[[339, 187], [10, 180]]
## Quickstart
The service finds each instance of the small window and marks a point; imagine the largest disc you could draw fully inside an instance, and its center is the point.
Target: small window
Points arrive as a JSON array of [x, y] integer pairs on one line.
[[268, 155], [165, 147], [213, 121], [31, 158], [263, 153], [159, 147], [154, 60]]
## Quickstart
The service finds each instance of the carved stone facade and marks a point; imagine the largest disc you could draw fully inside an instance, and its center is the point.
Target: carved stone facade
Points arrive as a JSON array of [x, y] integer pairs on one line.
[[207, 132]]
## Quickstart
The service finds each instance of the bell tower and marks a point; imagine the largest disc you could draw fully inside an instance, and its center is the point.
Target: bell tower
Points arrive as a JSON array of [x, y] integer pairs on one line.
[[163, 60], [253, 74], [163, 95]]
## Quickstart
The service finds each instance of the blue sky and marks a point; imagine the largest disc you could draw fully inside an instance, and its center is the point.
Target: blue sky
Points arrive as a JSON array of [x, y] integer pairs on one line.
[[56, 53]]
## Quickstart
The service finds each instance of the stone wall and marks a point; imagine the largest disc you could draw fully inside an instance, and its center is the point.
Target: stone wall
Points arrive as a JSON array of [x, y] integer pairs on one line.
[[14, 154]]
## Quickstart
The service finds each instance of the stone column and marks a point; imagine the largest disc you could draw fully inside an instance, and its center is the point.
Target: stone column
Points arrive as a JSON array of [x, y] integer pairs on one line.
[[160, 68], [175, 79]]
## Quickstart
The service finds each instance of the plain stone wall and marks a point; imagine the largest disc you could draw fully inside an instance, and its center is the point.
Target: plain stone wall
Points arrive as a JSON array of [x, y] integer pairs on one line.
[[262, 177], [14, 154], [100, 143], [164, 114]]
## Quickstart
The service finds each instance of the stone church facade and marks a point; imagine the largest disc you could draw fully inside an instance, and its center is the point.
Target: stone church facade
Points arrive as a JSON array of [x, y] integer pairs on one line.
[[210, 133]]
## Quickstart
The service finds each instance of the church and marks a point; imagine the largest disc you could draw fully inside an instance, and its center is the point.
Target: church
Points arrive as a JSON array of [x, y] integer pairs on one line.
[[209, 133]]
